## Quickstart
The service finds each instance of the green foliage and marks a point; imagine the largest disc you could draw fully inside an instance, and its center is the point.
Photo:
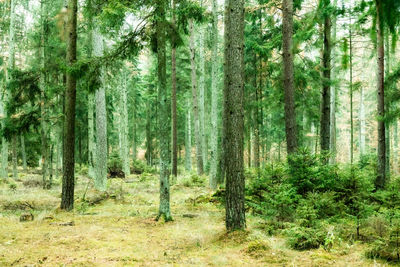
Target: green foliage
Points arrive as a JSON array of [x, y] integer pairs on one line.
[[303, 238], [114, 165], [309, 172]]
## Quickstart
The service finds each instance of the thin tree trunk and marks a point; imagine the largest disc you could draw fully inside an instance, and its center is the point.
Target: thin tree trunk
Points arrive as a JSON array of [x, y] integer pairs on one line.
[[362, 122], [288, 74], [395, 147], [381, 173], [233, 114], [43, 80], [164, 114], [100, 160], [202, 82], [387, 124], [23, 152], [68, 181], [333, 92], [214, 97], [195, 104], [124, 124], [14, 156], [351, 96], [188, 138], [149, 147], [91, 143], [326, 72], [173, 101], [134, 134]]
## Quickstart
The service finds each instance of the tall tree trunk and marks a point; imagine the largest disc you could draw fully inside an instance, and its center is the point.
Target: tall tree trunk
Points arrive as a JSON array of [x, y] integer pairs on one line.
[[188, 138], [233, 114], [288, 74], [100, 159], [381, 173], [332, 130], [362, 122], [124, 124], [11, 65], [173, 101], [195, 104], [387, 124], [43, 121], [14, 156], [68, 181], [214, 97], [149, 147], [256, 122], [395, 147], [23, 152], [91, 142], [134, 134], [202, 84], [164, 113], [351, 96], [326, 73]]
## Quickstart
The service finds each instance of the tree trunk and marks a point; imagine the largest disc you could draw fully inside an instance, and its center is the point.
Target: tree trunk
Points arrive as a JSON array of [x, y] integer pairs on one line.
[[202, 84], [91, 143], [14, 156], [332, 134], [173, 100], [68, 181], [134, 137], [326, 73], [387, 124], [195, 104], [149, 147], [124, 132], [381, 173], [233, 114], [362, 122], [164, 113], [23, 152], [11, 65], [43, 80], [351, 95], [188, 139], [288, 74], [100, 159], [214, 97]]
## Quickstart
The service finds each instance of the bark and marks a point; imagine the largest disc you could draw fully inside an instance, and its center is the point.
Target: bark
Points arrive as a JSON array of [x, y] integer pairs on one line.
[[288, 74], [124, 124], [326, 73], [387, 125], [43, 120], [164, 113], [23, 152], [381, 173], [332, 134], [134, 137], [68, 180], [173, 100], [234, 114], [256, 119], [14, 156], [100, 159], [214, 97], [188, 139], [362, 122], [351, 96], [149, 147], [91, 143], [195, 104], [202, 83], [11, 65]]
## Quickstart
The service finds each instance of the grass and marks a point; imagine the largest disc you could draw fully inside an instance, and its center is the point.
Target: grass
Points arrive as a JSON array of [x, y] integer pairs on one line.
[[118, 229]]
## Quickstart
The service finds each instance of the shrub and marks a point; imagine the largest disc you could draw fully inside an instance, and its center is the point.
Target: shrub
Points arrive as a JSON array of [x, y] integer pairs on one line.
[[115, 166], [303, 238]]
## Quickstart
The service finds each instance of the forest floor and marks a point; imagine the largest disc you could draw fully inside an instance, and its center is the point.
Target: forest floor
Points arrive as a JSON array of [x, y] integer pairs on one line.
[[118, 229]]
